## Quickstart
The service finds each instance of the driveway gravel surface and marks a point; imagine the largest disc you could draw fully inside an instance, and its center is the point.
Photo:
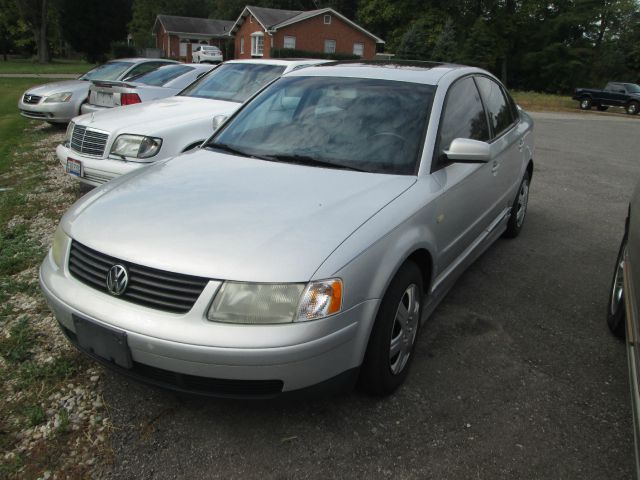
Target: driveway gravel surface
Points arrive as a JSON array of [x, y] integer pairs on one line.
[[515, 375]]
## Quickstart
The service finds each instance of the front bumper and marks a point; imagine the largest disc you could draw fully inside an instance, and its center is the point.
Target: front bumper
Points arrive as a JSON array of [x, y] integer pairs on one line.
[[96, 171], [61, 112], [206, 357]]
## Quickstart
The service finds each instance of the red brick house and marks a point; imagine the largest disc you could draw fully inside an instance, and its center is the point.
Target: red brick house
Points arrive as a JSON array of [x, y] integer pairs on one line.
[[258, 31], [177, 37]]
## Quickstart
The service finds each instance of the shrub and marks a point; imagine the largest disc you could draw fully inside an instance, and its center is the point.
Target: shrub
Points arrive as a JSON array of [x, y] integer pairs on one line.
[[295, 53]]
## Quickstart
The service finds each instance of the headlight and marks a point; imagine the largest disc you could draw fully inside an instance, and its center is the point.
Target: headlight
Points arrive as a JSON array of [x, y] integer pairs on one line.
[[265, 303], [136, 146], [59, 247], [67, 136], [59, 97]]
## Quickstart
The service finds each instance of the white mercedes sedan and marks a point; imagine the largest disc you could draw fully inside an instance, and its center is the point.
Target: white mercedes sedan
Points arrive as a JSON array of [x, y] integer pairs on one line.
[[305, 243]]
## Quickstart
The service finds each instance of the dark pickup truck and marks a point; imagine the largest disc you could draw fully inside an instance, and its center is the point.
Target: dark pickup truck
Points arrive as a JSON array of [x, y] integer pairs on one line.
[[615, 94]]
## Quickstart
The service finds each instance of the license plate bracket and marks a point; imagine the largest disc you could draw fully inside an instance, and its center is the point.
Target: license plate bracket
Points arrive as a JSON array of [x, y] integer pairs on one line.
[[74, 167], [107, 343]]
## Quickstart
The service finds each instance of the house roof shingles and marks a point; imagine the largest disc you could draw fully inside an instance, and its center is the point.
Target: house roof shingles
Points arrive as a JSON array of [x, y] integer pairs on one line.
[[197, 26], [270, 17]]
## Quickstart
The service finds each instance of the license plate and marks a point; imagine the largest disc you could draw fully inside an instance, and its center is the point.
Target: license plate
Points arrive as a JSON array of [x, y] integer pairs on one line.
[[104, 99], [107, 343], [74, 167]]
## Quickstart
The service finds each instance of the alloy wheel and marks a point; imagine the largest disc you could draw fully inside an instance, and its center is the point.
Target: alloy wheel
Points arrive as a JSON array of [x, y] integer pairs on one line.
[[523, 200], [404, 330]]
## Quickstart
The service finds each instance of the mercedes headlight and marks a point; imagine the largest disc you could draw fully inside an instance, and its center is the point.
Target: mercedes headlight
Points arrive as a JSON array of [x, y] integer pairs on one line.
[[59, 246], [136, 146], [268, 303], [59, 97]]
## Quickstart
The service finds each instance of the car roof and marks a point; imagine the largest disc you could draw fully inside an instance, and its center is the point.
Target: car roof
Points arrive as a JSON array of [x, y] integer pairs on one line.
[[141, 59], [428, 73], [282, 61]]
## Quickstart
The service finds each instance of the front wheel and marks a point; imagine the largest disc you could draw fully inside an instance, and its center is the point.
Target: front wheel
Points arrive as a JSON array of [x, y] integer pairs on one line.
[[633, 108], [390, 349], [616, 309], [519, 208]]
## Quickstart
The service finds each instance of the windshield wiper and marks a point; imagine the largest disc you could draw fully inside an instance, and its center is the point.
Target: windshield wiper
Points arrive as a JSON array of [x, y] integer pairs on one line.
[[234, 151], [310, 161], [227, 148]]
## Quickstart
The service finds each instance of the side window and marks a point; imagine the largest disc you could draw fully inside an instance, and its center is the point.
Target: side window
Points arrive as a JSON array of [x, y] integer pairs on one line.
[[499, 110], [141, 69], [463, 116]]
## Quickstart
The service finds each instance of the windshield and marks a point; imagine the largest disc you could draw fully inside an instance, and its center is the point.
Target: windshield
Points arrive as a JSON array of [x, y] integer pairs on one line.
[[163, 75], [107, 71], [361, 124], [632, 88], [234, 82]]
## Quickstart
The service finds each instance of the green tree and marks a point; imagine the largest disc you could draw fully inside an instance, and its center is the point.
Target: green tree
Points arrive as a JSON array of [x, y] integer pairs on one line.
[[92, 29], [446, 46], [34, 13]]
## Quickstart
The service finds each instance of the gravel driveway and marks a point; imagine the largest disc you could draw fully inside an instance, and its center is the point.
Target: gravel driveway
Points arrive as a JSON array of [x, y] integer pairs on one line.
[[515, 376]]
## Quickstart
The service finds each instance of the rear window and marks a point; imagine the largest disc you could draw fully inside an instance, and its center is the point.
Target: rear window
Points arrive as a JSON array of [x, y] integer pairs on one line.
[[107, 71], [234, 82], [162, 76]]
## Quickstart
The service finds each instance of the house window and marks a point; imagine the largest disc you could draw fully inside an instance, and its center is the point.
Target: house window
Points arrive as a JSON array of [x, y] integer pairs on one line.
[[241, 44], [289, 42], [329, 46], [257, 44], [358, 49], [327, 19]]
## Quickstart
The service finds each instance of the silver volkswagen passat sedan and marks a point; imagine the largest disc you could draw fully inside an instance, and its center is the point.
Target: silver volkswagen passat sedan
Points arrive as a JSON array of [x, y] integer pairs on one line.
[[305, 242]]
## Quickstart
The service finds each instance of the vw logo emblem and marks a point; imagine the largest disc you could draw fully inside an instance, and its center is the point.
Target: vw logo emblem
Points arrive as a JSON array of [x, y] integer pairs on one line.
[[28, 98], [117, 280]]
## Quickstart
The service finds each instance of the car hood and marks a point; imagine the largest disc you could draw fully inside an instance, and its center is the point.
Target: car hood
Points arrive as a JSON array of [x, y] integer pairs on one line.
[[56, 87], [154, 116], [226, 217]]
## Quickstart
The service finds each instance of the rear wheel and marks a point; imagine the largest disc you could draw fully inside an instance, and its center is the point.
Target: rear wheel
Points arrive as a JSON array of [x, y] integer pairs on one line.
[[519, 208], [633, 108], [390, 349], [616, 309], [585, 103]]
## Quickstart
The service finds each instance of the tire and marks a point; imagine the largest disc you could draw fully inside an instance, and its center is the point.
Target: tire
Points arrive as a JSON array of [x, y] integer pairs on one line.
[[519, 208], [383, 371], [632, 108], [616, 315], [585, 103], [603, 108]]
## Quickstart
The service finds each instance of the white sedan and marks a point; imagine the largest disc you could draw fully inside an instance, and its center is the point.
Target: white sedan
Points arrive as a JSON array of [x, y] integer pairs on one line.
[[207, 54], [104, 145]]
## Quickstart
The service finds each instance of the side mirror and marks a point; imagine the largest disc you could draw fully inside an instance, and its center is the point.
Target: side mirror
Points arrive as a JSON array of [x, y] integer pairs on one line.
[[465, 150], [218, 120]]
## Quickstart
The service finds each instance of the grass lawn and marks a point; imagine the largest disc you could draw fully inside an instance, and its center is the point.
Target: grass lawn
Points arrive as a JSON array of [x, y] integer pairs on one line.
[[56, 66], [547, 102], [37, 431]]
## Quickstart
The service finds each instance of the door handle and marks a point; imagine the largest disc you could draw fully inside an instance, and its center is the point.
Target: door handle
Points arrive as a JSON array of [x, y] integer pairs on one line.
[[521, 144], [495, 166]]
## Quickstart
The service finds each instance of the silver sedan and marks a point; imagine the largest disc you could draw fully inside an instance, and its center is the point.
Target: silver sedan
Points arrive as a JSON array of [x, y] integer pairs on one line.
[[59, 102], [305, 243]]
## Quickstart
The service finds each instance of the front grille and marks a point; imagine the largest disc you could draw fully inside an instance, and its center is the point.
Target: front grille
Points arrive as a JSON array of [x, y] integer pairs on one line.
[[88, 141], [95, 177], [167, 291], [31, 99]]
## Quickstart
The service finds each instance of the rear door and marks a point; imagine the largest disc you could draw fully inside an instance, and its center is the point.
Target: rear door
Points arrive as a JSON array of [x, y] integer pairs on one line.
[[506, 142]]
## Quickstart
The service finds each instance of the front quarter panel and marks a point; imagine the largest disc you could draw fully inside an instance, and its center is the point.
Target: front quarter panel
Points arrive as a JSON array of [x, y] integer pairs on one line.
[[370, 257]]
